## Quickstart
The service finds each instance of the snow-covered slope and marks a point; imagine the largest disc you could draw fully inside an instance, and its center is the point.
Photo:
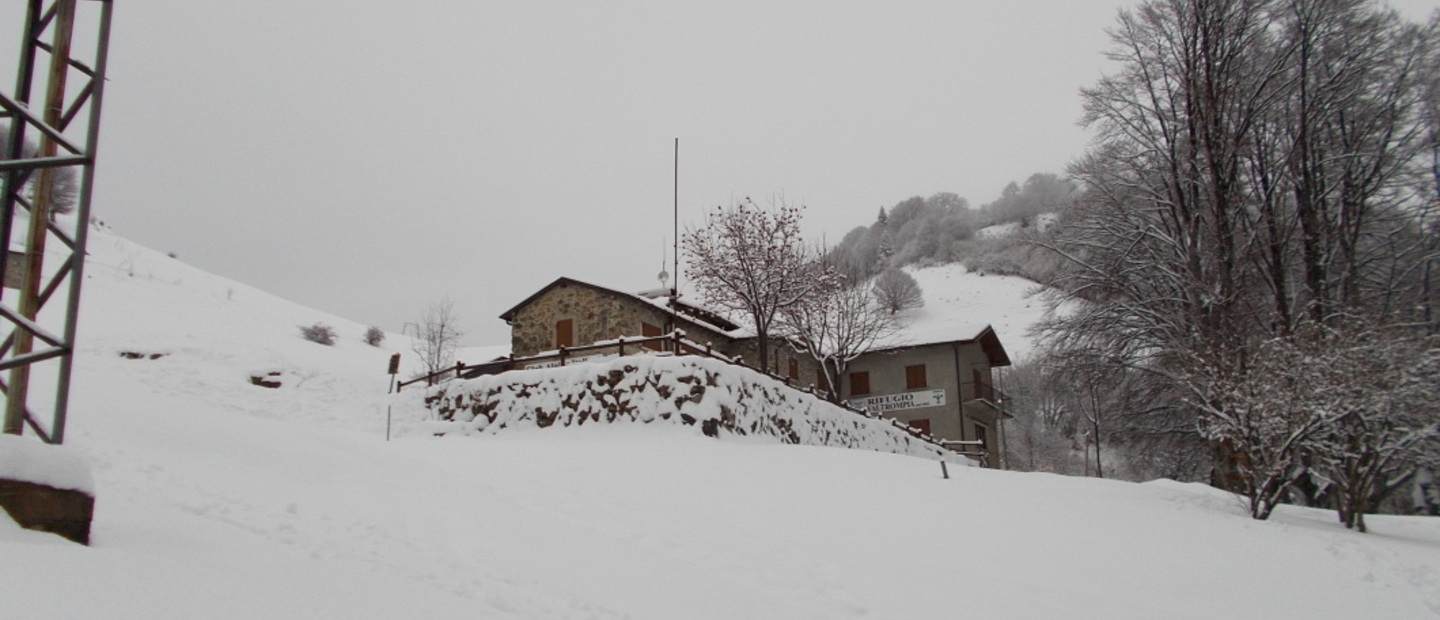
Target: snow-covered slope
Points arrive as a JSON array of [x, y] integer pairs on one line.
[[1009, 229], [221, 499], [959, 304]]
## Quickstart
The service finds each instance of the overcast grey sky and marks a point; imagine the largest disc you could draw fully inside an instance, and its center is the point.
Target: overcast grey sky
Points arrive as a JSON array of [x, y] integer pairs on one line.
[[366, 158]]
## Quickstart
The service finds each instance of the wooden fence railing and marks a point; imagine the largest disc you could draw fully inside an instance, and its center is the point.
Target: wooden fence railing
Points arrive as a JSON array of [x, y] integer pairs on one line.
[[675, 341]]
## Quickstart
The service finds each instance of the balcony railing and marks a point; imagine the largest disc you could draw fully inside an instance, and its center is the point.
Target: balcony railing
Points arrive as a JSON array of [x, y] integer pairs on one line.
[[993, 395]]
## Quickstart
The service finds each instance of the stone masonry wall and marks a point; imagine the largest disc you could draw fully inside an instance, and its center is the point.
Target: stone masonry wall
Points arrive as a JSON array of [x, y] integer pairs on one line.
[[596, 316], [707, 395]]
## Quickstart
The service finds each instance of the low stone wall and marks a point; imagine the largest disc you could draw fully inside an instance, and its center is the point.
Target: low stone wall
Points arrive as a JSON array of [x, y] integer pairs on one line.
[[47, 488], [66, 512], [715, 398]]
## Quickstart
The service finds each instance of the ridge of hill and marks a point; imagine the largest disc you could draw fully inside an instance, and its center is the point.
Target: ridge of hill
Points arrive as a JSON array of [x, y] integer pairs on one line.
[[220, 499]]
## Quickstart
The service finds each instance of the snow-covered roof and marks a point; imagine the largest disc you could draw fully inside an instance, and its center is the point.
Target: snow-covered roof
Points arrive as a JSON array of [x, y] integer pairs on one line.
[[986, 338]]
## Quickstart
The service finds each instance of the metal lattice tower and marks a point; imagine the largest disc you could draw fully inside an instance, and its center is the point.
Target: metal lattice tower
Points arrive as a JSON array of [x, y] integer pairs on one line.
[[49, 153]]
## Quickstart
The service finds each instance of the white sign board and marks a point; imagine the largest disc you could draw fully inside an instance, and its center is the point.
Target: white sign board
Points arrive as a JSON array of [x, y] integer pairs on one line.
[[899, 402]]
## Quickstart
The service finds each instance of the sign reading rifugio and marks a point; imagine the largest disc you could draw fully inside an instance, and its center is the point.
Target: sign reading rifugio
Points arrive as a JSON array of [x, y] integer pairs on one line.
[[899, 402]]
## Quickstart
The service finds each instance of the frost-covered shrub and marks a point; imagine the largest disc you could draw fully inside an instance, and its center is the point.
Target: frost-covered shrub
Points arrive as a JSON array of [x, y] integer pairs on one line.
[[374, 336], [896, 290], [319, 333]]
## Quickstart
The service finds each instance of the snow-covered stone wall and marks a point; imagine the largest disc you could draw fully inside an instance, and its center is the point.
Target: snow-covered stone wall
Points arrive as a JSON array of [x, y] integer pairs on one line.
[[26, 459], [710, 396]]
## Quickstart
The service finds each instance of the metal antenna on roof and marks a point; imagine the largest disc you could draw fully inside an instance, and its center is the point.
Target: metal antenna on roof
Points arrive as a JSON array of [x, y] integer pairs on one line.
[[675, 220], [664, 276]]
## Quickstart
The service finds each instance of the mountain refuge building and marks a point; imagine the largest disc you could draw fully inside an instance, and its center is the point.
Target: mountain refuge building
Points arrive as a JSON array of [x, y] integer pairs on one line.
[[943, 387]]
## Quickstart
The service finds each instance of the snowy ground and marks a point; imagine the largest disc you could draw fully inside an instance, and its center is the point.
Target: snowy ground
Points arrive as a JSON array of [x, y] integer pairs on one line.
[[221, 499]]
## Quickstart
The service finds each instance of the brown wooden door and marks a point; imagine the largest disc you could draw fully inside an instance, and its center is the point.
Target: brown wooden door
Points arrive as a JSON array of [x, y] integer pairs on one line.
[[922, 425], [650, 331], [565, 333]]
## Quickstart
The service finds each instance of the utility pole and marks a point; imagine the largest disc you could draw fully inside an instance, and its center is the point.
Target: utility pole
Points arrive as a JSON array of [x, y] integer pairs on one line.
[[19, 350], [39, 217]]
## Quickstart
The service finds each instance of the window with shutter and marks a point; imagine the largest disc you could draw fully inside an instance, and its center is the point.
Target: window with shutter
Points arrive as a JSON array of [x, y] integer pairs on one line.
[[915, 377], [859, 383]]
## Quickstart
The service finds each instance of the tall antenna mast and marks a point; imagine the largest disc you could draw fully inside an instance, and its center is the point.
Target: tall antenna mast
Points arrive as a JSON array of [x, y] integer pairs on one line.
[[675, 220]]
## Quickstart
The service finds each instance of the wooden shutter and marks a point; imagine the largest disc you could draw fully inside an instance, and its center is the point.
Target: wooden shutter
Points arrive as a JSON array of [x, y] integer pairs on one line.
[[915, 377], [859, 383], [794, 369], [922, 425]]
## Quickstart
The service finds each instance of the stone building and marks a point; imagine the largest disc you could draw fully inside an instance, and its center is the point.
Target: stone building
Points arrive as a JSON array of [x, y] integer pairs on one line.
[[573, 314]]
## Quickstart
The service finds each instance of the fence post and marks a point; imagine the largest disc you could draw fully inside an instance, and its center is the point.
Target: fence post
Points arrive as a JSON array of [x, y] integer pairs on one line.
[[622, 346]]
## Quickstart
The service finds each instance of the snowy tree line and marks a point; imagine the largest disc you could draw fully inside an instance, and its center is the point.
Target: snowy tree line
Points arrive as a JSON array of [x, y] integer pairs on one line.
[[942, 229], [1252, 254]]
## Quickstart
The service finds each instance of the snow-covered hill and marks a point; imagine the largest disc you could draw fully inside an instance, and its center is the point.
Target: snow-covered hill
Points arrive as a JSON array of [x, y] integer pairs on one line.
[[218, 498], [959, 304]]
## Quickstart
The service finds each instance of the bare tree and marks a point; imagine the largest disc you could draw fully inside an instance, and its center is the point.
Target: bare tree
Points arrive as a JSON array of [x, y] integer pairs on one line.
[[835, 327], [1386, 432], [752, 262], [1252, 182], [1350, 405], [896, 290], [438, 335], [64, 182]]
